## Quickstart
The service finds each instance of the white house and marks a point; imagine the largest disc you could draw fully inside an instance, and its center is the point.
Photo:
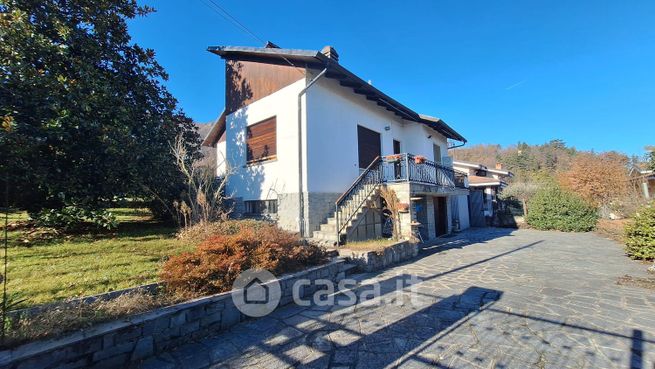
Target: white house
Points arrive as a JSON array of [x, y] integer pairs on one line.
[[310, 144]]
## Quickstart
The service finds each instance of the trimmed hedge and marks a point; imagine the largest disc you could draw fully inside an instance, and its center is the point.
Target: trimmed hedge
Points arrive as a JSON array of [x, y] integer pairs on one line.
[[640, 234], [553, 208]]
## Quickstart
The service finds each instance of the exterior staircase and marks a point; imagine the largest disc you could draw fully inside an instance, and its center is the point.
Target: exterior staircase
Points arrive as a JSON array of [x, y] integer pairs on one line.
[[365, 191], [327, 235]]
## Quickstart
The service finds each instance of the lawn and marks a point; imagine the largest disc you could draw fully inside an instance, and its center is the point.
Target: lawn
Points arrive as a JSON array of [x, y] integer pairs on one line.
[[83, 265]]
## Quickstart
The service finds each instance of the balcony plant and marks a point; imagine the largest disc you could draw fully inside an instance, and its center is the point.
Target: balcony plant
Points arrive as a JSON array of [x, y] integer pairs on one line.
[[393, 158], [420, 159]]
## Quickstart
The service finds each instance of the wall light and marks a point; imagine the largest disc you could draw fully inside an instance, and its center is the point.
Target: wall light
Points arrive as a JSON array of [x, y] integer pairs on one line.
[[387, 128]]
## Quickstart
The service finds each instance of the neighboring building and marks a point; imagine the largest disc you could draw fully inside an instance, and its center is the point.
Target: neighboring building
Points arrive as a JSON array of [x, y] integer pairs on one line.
[[303, 137], [648, 183], [484, 185]]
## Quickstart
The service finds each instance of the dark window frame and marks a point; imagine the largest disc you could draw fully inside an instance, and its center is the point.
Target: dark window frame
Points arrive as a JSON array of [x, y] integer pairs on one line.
[[261, 207]]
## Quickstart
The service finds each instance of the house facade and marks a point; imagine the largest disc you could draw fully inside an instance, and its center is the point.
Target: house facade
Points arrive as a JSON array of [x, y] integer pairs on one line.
[[484, 184], [306, 142]]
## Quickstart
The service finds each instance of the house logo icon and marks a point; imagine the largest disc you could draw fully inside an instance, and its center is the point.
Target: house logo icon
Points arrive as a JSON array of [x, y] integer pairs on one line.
[[256, 292]]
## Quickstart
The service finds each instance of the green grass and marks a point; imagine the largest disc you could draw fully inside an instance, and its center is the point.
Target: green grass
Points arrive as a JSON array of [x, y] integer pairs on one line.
[[88, 264]]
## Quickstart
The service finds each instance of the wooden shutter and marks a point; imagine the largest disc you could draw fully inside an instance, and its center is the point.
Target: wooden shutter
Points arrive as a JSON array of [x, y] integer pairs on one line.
[[261, 140], [368, 146]]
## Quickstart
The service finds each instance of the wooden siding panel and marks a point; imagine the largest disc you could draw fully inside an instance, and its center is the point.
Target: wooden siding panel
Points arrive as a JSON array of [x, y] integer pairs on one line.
[[247, 81], [261, 140]]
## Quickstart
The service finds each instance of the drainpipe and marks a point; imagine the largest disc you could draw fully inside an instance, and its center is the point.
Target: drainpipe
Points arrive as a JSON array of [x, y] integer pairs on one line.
[[301, 196]]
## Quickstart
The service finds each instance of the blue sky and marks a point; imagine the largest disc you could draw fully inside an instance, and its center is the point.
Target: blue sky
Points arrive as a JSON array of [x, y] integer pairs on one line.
[[497, 71]]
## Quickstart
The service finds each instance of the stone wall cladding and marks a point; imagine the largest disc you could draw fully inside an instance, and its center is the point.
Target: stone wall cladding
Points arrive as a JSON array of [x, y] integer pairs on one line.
[[287, 211], [128, 341], [370, 261], [319, 206]]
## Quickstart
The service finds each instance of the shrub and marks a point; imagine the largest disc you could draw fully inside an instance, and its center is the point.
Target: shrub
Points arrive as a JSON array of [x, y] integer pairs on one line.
[[70, 218], [640, 234], [197, 233], [554, 208], [217, 262]]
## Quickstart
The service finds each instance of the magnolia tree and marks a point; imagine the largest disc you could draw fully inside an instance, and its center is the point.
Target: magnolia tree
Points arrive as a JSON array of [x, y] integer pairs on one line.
[[85, 117]]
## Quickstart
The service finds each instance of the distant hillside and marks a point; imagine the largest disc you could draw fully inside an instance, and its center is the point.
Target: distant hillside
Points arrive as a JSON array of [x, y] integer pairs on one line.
[[552, 156]]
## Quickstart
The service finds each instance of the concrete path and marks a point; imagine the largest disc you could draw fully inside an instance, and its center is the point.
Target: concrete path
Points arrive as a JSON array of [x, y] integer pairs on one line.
[[489, 298]]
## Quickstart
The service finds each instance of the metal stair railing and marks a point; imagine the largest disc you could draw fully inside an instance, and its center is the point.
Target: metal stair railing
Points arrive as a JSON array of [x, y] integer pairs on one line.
[[356, 196]]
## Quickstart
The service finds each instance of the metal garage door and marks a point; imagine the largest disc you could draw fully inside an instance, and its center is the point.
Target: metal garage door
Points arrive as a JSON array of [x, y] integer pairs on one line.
[[476, 209]]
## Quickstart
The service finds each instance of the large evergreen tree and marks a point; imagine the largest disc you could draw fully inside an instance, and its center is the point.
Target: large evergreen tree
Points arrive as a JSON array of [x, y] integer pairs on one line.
[[84, 115]]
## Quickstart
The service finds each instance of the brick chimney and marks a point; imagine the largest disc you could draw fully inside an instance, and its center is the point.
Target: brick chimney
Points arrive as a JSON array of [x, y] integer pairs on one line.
[[499, 166], [331, 53]]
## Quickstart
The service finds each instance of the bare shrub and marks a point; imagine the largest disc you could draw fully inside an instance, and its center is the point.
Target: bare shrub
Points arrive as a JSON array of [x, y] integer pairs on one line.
[[197, 233], [393, 205], [204, 199], [216, 263]]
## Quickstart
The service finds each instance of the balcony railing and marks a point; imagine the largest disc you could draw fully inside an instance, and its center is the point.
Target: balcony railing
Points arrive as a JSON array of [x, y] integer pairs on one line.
[[415, 168]]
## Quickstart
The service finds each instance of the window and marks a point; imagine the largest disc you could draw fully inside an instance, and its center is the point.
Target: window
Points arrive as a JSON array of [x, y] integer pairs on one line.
[[436, 151], [261, 141], [396, 147], [261, 207]]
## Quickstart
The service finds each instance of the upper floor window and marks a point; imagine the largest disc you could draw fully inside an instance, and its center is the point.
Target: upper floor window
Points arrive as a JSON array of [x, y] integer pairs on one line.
[[261, 141]]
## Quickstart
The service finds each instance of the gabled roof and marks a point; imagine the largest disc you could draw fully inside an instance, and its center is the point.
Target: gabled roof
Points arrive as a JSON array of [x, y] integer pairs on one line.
[[314, 59]]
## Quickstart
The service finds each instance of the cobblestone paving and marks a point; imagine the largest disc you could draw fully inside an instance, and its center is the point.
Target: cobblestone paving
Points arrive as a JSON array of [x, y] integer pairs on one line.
[[489, 298]]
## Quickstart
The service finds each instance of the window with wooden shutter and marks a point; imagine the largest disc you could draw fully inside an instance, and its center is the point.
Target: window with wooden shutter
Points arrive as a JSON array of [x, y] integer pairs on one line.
[[261, 141]]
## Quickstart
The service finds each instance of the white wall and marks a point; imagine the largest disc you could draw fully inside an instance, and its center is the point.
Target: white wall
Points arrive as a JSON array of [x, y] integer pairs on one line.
[[464, 221], [333, 113], [265, 180]]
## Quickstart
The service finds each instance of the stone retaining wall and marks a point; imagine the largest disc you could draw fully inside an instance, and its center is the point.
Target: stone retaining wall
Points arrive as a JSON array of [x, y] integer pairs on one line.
[[132, 339], [375, 260]]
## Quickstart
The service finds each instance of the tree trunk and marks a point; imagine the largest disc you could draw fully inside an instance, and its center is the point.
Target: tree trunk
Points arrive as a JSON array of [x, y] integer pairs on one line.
[[525, 207]]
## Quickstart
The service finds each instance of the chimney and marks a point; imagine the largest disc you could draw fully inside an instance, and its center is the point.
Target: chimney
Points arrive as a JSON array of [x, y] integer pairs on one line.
[[499, 166], [331, 53]]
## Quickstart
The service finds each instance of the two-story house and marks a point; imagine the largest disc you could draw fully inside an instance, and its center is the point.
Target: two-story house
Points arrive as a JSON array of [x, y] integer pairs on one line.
[[308, 143]]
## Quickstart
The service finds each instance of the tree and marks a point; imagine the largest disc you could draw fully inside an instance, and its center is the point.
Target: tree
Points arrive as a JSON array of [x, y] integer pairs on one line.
[[522, 190], [600, 179], [85, 116], [650, 157]]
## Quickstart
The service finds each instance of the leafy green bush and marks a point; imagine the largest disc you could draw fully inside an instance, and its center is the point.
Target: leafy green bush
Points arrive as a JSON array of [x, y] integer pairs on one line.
[[71, 218], [640, 234], [554, 208]]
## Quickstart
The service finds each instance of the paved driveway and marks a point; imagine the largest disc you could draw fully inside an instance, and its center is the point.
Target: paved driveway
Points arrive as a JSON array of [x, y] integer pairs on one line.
[[488, 298]]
